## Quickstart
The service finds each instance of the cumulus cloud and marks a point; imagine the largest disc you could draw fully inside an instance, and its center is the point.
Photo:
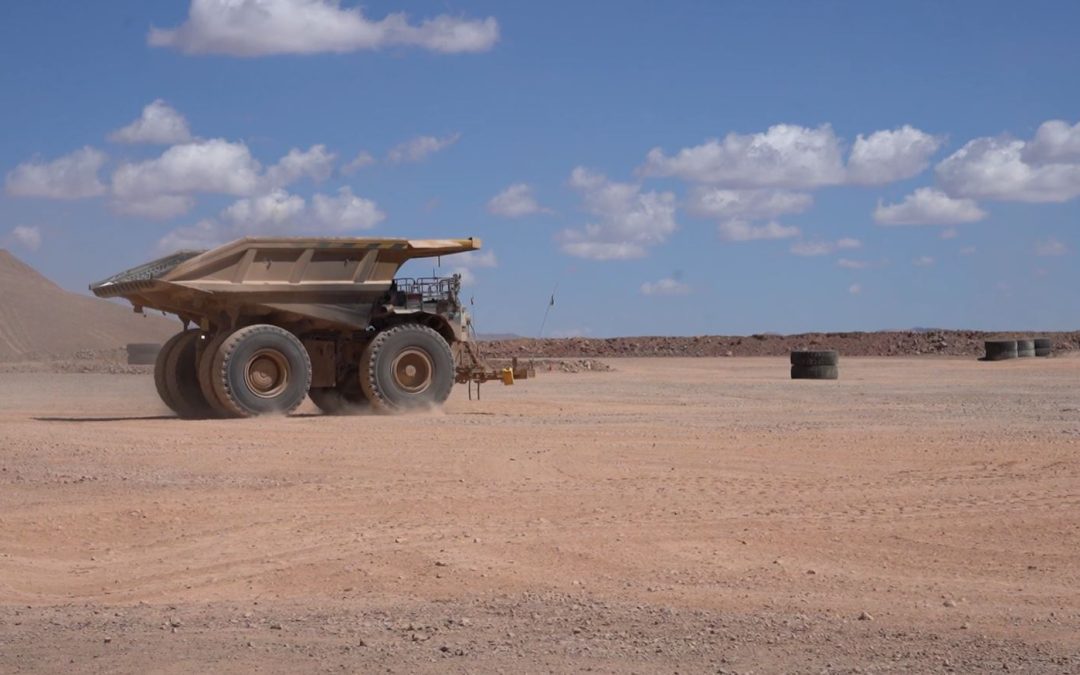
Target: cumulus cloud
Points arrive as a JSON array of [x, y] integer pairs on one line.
[[784, 156], [1008, 169], [466, 263], [968, 250], [73, 176], [950, 233], [1055, 141], [214, 166], [420, 148], [515, 201], [263, 27], [855, 289], [161, 187], [817, 248], [923, 261], [927, 206], [628, 221], [741, 230], [159, 123], [1050, 247], [314, 163], [667, 286], [888, 156], [27, 236], [279, 212], [722, 203], [362, 160]]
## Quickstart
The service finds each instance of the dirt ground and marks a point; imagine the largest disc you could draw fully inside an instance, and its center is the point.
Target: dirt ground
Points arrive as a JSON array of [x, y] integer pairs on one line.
[[673, 515]]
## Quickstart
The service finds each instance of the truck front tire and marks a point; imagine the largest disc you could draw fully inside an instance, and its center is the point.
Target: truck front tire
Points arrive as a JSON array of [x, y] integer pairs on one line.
[[407, 367]]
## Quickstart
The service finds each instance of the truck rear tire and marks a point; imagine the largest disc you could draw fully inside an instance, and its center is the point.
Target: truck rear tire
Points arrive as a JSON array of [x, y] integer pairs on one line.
[[261, 369], [182, 377], [206, 369], [160, 370], [407, 367]]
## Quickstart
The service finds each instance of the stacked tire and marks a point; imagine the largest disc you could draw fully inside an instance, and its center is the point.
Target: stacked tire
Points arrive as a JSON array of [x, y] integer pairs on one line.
[[815, 365], [1043, 347], [1003, 350]]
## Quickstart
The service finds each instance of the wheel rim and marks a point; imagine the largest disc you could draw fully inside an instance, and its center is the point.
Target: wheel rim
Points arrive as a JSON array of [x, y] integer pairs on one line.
[[412, 370], [266, 373]]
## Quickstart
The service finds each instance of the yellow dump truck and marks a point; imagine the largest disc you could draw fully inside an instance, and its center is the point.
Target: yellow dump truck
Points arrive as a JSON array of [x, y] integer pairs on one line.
[[268, 321]]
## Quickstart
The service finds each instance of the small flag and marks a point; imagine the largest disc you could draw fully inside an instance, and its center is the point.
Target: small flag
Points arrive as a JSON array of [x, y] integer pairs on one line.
[[552, 303], [472, 299]]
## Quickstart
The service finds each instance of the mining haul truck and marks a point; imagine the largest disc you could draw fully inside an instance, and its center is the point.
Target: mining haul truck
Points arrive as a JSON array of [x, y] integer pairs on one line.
[[268, 321]]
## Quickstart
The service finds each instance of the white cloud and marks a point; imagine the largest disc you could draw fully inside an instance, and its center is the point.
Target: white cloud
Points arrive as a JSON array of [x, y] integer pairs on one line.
[[968, 250], [666, 286], [159, 123], [741, 230], [855, 289], [420, 148], [784, 156], [628, 220], [279, 212], [1055, 141], [264, 27], [514, 202], [73, 176], [950, 233], [346, 211], [749, 204], [849, 264], [315, 163], [816, 248], [995, 168], [362, 160], [160, 187], [154, 207], [923, 261], [1050, 247], [888, 156], [927, 206], [214, 166], [28, 236]]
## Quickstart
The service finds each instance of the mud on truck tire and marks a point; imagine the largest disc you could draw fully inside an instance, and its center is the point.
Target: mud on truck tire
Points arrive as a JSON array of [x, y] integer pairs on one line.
[[407, 367]]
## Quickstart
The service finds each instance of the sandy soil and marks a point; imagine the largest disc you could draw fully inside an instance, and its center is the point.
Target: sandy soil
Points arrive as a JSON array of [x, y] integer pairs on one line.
[[710, 515]]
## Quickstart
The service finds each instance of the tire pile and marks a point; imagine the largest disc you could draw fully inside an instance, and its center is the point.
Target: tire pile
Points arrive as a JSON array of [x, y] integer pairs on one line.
[[815, 365], [1002, 350]]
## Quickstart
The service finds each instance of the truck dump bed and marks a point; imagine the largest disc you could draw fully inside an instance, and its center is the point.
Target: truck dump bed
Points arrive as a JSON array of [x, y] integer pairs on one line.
[[324, 281]]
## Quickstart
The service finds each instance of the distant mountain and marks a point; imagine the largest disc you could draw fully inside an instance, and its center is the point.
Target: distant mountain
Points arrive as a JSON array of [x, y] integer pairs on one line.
[[38, 319]]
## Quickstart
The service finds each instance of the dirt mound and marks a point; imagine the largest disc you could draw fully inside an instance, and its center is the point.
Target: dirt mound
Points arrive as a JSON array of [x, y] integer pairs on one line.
[[882, 343], [39, 320]]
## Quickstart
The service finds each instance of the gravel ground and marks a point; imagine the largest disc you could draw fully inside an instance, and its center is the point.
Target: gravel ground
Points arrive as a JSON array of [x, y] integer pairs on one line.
[[672, 515]]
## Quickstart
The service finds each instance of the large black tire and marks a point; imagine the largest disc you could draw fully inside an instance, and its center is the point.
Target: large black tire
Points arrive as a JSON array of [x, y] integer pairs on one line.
[[261, 369], [1000, 350], [210, 347], [814, 372], [407, 367], [182, 377], [160, 370], [347, 398], [1043, 346], [1025, 348], [829, 357]]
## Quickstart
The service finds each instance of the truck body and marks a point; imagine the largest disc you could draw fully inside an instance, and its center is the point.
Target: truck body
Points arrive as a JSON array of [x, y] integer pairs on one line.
[[336, 296]]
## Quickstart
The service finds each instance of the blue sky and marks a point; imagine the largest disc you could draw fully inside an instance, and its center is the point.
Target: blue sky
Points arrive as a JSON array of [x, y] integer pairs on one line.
[[674, 168]]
